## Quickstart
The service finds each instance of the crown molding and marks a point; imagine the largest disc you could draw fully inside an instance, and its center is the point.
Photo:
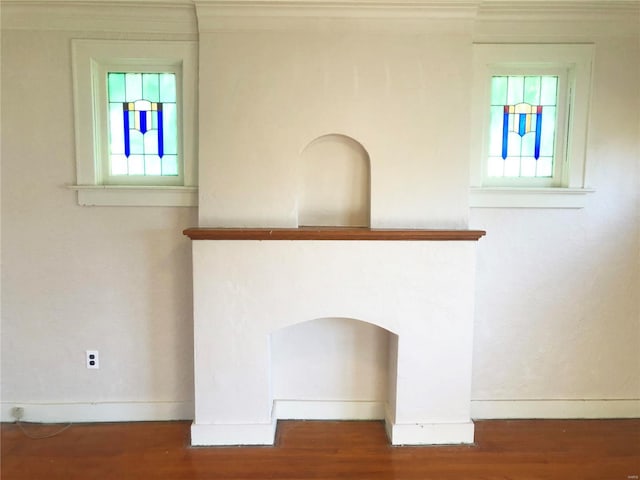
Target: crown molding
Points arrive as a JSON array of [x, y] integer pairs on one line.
[[337, 9], [188, 17], [564, 21], [558, 9], [221, 15], [141, 17]]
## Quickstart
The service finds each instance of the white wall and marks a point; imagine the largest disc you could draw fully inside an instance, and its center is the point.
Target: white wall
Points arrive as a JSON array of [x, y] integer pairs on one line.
[[330, 358], [114, 279], [266, 94], [558, 315], [557, 311]]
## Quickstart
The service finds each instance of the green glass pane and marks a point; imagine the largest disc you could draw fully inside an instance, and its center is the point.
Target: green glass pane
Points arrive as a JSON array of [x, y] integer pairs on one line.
[[136, 165], [528, 144], [544, 167], [170, 165], [119, 165], [514, 146], [515, 90], [495, 167], [547, 137], [151, 143], [152, 165], [532, 90], [136, 142], [499, 91], [512, 167], [151, 87], [528, 166], [495, 130], [116, 86], [133, 82], [116, 128], [167, 87], [549, 91], [170, 126]]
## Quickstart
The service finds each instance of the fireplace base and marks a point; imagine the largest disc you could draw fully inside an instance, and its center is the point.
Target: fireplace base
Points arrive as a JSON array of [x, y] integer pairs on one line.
[[419, 290]]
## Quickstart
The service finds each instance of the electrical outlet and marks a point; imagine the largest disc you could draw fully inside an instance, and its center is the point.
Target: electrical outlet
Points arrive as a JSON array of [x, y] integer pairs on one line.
[[17, 413], [93, 359]]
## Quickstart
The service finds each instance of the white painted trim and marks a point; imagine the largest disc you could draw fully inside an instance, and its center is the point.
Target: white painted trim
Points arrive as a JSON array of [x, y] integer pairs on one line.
[[151, 196], [577, 61], [233, 434], [515, 197], [338, 9], [554, 409], [431, 433], [328, 410], [178, 17], [363, 410], [106, 17], [428, 433], [88, 57], [559, 10], [242, 15], [99, 412]]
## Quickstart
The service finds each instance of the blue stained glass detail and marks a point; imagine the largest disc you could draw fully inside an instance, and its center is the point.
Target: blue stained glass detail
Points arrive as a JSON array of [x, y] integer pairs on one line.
[[523, 125], [536, 154], [142, 125], [160, 131], [505, 133], [520, 144], [522, 119], [127, 139], [143, 121]]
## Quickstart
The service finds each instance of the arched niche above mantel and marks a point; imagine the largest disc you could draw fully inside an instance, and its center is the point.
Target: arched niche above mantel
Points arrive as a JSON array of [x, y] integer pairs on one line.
[[334, 183]]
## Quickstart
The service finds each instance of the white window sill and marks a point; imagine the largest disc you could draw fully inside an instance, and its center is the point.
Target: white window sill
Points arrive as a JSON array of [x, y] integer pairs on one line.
[[517, 197], [136, 196]]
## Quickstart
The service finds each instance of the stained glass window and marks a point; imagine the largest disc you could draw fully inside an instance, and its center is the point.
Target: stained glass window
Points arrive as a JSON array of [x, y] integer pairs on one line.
[[522, 126], [143, 125]]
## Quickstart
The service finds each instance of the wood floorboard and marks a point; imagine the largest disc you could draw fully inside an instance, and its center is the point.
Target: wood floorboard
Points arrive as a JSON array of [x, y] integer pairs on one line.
[[504, 450]]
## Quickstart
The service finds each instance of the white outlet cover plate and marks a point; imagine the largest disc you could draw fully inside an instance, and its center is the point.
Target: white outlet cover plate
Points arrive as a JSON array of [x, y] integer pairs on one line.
[[93, 359]]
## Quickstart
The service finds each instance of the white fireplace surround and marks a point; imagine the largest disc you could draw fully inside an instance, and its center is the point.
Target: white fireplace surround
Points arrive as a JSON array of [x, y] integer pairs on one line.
[[334, 117], [419, 290]]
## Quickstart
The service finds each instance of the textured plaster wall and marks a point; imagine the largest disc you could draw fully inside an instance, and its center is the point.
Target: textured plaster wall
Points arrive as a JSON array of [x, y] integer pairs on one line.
[[265, 95], [557, 309], [557, 304], [117, 280]]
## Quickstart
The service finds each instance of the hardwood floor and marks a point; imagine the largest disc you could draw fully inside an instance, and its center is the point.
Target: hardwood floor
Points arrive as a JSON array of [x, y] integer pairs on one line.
[[523, 450]]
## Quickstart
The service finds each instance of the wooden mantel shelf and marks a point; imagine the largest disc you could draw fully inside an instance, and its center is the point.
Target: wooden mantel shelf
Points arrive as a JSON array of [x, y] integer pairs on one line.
[[328, 233]]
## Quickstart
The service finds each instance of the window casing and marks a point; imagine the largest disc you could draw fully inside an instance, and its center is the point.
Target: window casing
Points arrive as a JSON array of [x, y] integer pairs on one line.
[[99, 180], [537, 183]]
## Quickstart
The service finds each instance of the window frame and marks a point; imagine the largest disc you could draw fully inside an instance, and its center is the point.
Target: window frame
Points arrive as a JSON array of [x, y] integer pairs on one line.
[[92, 59], [566, 189]]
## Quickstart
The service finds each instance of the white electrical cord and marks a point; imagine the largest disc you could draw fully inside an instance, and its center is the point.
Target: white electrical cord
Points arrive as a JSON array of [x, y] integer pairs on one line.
[[40, 437]]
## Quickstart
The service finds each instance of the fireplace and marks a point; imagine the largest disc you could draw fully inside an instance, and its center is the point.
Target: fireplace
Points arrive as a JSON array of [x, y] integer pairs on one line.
[[417, 285], [334, 165]]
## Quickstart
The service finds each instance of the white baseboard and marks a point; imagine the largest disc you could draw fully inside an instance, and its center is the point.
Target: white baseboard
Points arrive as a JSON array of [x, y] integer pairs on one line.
[[316, 410], [99, 412], [554, 409], [431, 433], [409, 434], [328, 410], [428, 433], [242, 434]]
